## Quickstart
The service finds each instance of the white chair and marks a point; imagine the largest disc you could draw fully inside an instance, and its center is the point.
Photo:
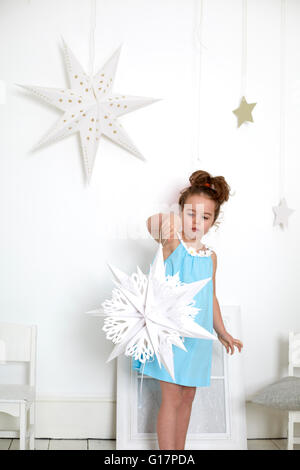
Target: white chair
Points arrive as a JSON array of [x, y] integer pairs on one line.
[[18, 344], [294, 361]]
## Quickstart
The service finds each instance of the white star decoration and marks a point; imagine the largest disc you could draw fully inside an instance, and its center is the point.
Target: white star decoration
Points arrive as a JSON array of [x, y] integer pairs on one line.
[[90, 108], [282, 213], [148, 314]]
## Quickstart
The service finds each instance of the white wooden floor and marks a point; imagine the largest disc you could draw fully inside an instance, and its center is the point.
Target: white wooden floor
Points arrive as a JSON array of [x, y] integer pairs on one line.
[[105, 444]]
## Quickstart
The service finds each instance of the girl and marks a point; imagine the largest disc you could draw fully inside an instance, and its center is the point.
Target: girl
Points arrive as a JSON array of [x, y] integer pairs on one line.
[[199, 209]]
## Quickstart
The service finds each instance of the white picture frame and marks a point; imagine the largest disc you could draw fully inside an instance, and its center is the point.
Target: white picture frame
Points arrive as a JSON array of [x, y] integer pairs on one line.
[[218, 419]]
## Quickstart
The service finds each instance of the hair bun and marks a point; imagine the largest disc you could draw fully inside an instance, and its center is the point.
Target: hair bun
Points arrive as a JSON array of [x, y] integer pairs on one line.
[[201, 178], [220, 188]]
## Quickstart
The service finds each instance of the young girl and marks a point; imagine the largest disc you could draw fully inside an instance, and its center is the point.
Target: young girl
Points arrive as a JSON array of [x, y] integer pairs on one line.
[[199, 209]]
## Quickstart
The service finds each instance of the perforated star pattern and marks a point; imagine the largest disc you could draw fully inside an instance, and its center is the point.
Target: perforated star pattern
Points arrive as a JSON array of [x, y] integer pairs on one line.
[[148, 314], [90, 108]]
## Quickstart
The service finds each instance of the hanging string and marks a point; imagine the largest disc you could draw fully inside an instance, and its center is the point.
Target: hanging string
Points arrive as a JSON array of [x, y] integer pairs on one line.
[[282, 96], [244, 48], [198, 73], [141, 386], [92, 39]]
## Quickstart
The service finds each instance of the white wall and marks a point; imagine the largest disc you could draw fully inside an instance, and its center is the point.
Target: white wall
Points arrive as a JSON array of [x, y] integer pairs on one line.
[[57, 233]]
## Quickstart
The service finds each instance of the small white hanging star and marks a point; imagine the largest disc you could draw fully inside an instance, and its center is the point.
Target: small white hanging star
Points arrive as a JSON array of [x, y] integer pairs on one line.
[[282, 213], [91, 108]]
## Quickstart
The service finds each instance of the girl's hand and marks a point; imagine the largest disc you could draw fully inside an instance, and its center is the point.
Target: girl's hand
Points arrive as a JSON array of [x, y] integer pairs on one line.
[[229, 342], [171, 223]]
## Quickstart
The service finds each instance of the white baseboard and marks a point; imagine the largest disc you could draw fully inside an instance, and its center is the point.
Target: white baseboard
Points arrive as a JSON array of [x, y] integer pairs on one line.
[[70, 418], [60, 417]]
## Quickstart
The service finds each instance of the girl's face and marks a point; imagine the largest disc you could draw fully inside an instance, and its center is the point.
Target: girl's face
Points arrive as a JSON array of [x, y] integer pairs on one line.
[[197, 216]]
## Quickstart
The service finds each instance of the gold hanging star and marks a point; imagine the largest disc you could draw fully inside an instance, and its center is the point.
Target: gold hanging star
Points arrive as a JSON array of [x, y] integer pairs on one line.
[[243, 112]]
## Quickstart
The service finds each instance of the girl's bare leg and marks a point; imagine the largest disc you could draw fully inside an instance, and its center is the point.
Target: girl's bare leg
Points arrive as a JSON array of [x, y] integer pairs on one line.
[[171, 396], [183, 416]]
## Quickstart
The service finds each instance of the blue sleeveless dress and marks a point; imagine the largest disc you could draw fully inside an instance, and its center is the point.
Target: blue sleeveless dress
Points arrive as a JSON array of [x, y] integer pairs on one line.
[[192, 368]]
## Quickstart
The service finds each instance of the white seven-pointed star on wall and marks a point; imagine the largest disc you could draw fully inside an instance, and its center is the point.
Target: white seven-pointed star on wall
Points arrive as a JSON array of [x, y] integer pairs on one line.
[[90, 108], [282, 212]]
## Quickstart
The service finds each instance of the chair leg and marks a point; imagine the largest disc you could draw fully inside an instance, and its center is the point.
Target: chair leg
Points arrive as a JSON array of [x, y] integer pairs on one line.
[[23, 426], [32, 423], [31, 441], [290, 443]]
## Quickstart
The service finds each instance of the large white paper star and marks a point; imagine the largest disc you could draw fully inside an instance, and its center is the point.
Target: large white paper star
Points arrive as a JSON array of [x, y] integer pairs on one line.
[[90, 108], [282, 213], [148, 314]]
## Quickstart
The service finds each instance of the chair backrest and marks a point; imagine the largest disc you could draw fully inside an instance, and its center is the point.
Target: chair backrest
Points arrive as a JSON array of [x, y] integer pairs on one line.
[[294, 351], [18, 344]]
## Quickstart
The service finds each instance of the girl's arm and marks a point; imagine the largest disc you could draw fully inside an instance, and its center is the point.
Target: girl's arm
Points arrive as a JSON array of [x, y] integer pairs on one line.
[[224, 337], [217, 317], [168, 223]]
